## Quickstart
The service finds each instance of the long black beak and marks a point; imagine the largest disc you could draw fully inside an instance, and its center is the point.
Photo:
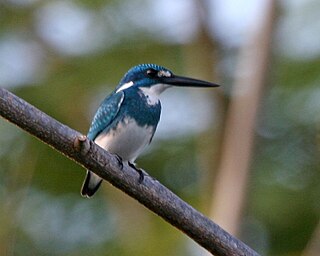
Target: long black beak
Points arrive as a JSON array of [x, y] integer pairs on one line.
[[186, 81]]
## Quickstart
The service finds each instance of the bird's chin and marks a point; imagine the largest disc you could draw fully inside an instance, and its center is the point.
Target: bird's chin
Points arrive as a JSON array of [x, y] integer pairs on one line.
[[156, 89]]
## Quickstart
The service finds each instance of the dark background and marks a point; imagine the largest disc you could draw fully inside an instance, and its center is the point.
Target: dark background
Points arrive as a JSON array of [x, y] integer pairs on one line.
[[64, 57]]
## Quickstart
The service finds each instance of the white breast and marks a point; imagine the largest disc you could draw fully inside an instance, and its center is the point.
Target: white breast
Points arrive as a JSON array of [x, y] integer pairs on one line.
[[127, 140]]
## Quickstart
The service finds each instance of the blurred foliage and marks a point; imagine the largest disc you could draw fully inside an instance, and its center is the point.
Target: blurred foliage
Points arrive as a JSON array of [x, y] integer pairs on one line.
[[41, 211]]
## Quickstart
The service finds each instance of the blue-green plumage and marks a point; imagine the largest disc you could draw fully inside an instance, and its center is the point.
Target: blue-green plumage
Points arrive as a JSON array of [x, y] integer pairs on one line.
[[126, 120], [106, 113]]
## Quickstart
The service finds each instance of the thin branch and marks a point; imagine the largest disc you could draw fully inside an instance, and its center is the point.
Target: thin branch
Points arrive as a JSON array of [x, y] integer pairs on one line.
[[236, 154], [150, 192]]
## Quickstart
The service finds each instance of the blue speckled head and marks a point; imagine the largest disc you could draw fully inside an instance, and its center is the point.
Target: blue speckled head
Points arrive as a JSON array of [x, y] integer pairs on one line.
[[144, 75], [147, 75]]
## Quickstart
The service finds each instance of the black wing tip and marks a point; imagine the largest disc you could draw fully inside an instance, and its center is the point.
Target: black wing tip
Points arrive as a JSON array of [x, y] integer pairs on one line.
[[89, 192], [86, 190]]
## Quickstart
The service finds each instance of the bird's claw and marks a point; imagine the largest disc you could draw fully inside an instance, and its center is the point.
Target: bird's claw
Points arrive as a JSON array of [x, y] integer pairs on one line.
[[140, 171], [120, 162]]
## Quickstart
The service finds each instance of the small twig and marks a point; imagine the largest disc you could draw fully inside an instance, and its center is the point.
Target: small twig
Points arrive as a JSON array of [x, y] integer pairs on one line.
[[82, 144], [150, 192]]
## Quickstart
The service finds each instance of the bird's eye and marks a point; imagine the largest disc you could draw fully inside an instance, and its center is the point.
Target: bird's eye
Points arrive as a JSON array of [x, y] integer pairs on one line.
[[152, 73]]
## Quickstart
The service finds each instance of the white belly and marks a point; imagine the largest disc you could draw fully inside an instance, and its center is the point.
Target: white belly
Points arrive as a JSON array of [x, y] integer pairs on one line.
[[127, 140]]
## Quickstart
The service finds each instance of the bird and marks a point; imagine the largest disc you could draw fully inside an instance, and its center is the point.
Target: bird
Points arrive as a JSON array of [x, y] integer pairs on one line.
[[126, 120]]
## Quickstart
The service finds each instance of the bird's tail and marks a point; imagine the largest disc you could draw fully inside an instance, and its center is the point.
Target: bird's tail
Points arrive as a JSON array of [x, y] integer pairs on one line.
[[90, 185]]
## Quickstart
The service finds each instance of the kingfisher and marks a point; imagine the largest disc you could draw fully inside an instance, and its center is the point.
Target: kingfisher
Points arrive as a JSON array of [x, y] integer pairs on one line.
[[127, 119]]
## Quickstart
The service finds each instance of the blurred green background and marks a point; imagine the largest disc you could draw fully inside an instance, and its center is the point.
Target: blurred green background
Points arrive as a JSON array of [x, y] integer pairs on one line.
[[64, 57]]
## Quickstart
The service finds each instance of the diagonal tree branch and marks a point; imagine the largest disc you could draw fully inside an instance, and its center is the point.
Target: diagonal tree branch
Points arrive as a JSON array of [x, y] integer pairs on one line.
[[150, 192]]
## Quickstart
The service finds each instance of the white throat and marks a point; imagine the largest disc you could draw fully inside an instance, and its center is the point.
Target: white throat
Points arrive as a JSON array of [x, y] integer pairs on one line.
[[152, 93]]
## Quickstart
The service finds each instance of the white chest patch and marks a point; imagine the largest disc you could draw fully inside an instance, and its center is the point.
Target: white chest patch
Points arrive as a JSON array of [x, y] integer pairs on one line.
[[128, 139], [152, 93]]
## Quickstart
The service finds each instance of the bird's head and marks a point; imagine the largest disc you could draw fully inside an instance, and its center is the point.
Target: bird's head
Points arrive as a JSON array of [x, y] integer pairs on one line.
[[158, 78]]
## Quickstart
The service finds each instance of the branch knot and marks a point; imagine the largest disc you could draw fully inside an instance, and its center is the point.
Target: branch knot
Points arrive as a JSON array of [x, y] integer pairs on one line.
[[82, 144]]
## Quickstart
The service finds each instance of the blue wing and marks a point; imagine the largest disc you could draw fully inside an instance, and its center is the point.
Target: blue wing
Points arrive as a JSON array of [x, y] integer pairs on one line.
[[105, 114]]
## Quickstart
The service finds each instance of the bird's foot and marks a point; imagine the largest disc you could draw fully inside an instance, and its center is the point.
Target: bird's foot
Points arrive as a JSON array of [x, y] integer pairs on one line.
[[140, 171], [120, 162]]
